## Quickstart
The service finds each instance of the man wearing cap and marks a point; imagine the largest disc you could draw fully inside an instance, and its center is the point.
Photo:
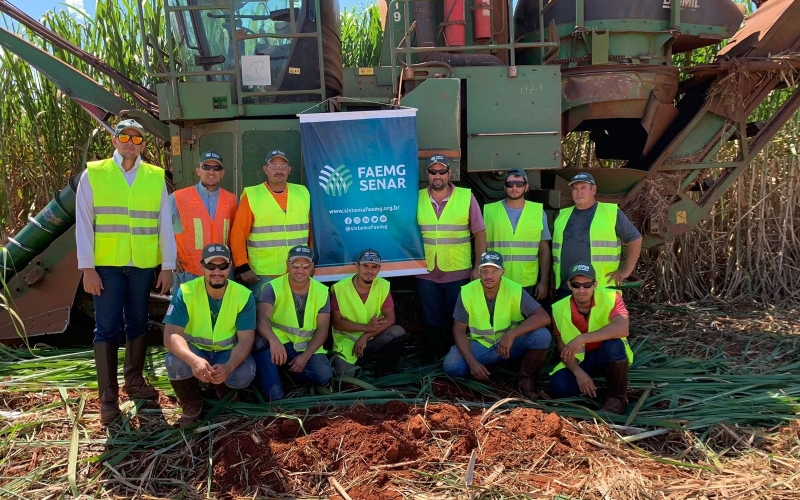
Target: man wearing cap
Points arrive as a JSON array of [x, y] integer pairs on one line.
[[593, 231], [272, 218], [448, 217], [591, 326], [495, 319], [201, 215], [209, 330], [517, 230], [123, 232], [293, 319], [362, 313]]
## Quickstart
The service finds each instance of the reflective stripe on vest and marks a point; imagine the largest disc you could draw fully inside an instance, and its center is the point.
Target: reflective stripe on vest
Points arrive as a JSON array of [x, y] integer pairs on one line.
[[604, 300], [198, 228], [199, 331], [520, 248], [284, 315], [353, 309], [605, 246], [447, 239], [507, 314], [275, 232], [126, 217]]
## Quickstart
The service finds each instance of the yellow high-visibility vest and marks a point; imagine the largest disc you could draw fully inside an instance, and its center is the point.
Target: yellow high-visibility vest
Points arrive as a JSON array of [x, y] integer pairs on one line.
[[507, 314], [284, 316], [199, 331], [447, 239], [605, 246], [126, 217], [520, 248], [604, 300], [353, 309], [274, 232]]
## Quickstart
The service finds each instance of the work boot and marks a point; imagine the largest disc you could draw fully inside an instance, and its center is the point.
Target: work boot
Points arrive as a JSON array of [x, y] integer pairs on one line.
[[190, 399], [135, 384], [105, 359], [390, 356], [532, 362], [617, 379], [223, 390]]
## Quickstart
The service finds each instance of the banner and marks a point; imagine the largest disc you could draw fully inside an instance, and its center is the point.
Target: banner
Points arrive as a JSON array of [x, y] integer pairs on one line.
[[363, 177]]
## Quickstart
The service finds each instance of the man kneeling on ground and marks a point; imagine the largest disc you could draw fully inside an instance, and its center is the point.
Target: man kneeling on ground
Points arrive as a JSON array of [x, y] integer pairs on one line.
[[362, 312], [496, 319], [293, 319], [591, 330], [208, 331]]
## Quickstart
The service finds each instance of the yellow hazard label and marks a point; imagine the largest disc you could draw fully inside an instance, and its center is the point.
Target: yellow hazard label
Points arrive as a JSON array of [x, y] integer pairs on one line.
[[680, 217], [294, 71], [366, 71], [175, 142]]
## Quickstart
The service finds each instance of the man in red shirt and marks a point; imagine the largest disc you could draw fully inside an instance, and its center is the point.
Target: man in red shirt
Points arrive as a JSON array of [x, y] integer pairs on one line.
[[591, 329]]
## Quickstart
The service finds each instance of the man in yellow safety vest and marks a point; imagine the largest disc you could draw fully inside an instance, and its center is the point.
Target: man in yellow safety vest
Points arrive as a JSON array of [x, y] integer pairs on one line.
[[123, 231], [293, 319], [362, 313], [209, 330], [591, 329], [517, 229], [495, 319]]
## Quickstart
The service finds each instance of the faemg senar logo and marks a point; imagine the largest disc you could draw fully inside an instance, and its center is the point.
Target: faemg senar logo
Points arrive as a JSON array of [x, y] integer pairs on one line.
[[335, 181]]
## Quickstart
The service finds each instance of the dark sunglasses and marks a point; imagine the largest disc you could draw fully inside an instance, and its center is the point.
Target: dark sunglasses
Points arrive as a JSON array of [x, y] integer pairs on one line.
[[515, 184], [215, 168], [438, 172], [221, 267], [576, 285], [136, 139]]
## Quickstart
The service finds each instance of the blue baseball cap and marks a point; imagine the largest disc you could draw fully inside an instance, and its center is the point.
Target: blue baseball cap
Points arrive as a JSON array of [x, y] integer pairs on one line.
[[301, 252], [441, 159], [277, 153], [582, 269], [491, 258], [211, 156], [582, 177]]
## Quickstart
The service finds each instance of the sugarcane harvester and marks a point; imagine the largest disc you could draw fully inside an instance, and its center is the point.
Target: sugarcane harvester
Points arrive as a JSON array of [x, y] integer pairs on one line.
[[495, 86]]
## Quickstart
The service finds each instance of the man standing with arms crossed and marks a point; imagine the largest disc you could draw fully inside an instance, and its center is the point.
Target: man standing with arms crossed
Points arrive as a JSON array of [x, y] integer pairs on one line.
[[272, 218], [517, 230], [123, 231], [201, 215], [448, 217]]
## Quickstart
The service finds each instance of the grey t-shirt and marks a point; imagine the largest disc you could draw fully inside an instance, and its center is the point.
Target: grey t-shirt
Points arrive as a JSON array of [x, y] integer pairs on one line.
[[268, 296], [515, 213], [527, 305], [576, 245]]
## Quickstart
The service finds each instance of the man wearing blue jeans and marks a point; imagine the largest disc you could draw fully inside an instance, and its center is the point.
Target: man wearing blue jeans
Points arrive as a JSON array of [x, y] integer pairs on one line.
[[495, 319], [293, 319], [208, 331], [123, 231]]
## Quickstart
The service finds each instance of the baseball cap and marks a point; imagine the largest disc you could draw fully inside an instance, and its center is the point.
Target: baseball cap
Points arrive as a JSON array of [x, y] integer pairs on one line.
[[214, 251], [582, 177], [582, 269], [369, 255], [517, 171], [301, 252], [438, 159], [491, 258], [211, 156], [126, 124], [276, 153]]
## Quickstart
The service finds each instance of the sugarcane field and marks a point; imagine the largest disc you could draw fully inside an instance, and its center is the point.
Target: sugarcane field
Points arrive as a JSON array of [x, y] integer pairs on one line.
[[400, 249]]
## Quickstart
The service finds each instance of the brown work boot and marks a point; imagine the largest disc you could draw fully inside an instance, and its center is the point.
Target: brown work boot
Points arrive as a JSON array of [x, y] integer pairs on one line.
[[532, 362], [390, 356], [190, 399], [105, 359], [223, 390], [617, 379], [135, 384]]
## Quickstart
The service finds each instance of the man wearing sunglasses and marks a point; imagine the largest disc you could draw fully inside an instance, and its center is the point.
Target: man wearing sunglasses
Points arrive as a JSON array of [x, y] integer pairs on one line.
[[448, 218], [272, 218], [209, 330], [495, 319], [593, 231], [123, 231], [201, 215], [362, 312], [293, 318], [517, 229], [591, 329]]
